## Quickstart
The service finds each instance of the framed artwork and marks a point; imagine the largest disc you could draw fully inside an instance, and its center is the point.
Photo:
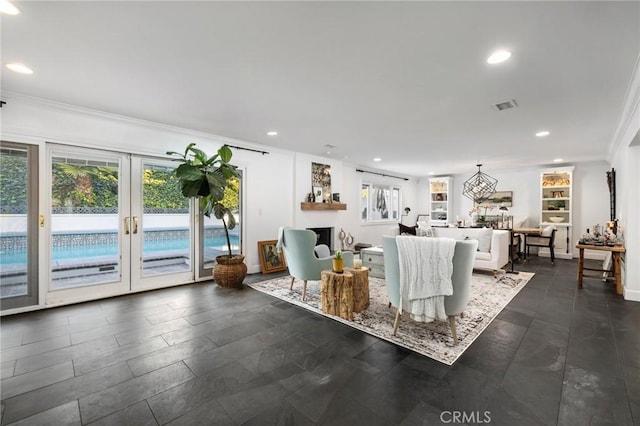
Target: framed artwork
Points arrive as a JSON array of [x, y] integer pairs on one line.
[[500, 198], [270, 259], [321, 177]]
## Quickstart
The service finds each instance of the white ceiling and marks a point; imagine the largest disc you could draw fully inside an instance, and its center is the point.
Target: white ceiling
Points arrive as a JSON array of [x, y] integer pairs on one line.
[[406, 82]]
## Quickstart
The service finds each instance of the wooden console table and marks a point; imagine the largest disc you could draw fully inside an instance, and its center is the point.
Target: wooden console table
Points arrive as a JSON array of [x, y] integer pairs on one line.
[[615, 260]]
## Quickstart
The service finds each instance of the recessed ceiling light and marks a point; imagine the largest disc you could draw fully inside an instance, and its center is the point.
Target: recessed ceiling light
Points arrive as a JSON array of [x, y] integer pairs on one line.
[[8, 8], [558, 160], [377, 159], [542, 134], [20, 68], [498, 56], [431, 173], [272, 133]]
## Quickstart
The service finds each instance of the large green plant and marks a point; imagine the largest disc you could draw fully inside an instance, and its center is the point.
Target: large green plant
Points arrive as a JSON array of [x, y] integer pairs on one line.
[[207, 178]]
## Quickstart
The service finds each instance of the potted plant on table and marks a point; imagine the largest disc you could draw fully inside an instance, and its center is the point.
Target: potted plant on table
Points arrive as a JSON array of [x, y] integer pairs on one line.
[[338, 262], [207, 178]]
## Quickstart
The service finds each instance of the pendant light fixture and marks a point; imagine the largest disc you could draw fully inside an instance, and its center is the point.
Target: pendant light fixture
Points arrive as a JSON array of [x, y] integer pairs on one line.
[[479, 186]]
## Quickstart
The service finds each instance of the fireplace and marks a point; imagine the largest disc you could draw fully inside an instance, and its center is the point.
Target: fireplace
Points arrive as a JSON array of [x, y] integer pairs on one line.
[[325, 236]]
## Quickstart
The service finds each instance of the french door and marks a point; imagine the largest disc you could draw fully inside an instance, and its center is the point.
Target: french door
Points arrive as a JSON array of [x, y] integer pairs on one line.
[[118, 223], [18, 225]]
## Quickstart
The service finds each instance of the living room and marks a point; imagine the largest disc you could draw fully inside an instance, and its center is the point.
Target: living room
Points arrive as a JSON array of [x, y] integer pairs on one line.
[[384, 93]]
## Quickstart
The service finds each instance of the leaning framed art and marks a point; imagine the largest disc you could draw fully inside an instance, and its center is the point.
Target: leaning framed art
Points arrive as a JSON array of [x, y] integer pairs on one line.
[[270, 259]]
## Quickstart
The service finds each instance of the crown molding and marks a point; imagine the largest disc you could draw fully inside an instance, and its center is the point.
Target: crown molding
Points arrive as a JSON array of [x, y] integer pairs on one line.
[[57, 106], [630, 110]]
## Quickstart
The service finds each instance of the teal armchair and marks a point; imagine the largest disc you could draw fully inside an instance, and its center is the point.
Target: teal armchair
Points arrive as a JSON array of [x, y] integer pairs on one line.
[[299, 245], [463, 258]]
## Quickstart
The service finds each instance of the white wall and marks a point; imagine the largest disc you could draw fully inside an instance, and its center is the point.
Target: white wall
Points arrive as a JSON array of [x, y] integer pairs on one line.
[[624, 156], [278, 182]]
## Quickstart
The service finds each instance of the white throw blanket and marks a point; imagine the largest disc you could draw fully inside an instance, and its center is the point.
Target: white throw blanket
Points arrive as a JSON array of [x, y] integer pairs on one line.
[[280, 242], [426, 266]]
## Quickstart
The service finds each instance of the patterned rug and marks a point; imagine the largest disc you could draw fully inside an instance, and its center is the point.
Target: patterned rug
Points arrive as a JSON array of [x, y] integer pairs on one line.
[[489, 296]]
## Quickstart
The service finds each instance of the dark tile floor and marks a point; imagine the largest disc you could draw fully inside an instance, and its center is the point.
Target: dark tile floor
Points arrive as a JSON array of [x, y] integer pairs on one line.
[[199, 354]]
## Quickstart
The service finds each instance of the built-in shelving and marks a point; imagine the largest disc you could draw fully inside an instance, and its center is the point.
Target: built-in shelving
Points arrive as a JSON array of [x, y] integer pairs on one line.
[[440, 204], [556, 193]]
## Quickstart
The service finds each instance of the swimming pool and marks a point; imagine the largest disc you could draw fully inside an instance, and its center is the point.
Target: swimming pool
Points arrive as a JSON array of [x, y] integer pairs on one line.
[[87, 252]]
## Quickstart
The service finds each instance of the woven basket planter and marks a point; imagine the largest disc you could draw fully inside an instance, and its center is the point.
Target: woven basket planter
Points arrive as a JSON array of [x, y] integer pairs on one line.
[[229, 272]]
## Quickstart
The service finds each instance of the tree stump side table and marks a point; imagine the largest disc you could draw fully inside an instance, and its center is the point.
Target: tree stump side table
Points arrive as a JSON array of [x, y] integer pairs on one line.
[[337, 294], [360, 288]]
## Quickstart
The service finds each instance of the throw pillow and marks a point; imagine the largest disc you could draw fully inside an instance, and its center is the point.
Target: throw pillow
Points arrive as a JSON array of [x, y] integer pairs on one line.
[[425, 232], [546, 232], [407, 229], [484, 239]]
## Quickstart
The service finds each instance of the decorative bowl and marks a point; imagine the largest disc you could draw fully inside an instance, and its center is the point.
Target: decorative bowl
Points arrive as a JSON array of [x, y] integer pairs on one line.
[[556, 219]]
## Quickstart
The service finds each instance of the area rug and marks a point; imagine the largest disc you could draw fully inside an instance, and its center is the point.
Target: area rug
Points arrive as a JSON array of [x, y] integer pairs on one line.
[[489, 295]]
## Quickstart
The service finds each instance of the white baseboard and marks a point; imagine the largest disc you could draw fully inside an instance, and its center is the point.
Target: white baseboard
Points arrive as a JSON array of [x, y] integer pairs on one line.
[[631, 295]]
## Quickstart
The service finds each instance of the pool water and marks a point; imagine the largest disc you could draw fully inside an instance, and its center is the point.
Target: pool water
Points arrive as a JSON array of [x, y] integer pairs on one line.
[[149, 248]]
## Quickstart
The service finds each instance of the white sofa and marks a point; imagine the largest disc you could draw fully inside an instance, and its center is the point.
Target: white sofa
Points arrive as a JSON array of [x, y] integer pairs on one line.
[[493, 245]]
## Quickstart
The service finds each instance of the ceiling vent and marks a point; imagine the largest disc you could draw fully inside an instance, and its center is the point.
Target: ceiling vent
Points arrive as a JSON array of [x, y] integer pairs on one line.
[[328, 145], [506, 105]]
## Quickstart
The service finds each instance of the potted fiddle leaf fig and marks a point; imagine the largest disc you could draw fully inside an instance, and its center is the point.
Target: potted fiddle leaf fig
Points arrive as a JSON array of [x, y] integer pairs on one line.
[[207, 178]]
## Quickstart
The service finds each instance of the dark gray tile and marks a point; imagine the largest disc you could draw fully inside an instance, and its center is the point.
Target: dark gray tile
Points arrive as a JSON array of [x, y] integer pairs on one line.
[[65, 414], [68, 353], [145, 333], [425, 414], [138, 414], [27, 382], [7, 369], [233, 351], [537, 389], [383, 355], [122, 353], [169, 355], [506, 410], [238, 331], [210, 413], [190, 395], [247, 404], [100, 404], [281, 414], [30, 403], [30, 349], [628, 346], [462, 389], [397, 392], [592, 398]]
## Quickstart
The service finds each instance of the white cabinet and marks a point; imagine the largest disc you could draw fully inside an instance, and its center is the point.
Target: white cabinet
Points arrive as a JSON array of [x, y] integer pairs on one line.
[[556, 208], [440, 205]]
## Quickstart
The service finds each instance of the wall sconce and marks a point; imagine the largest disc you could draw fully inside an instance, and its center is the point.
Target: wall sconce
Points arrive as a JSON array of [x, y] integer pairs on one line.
[[406, 211]]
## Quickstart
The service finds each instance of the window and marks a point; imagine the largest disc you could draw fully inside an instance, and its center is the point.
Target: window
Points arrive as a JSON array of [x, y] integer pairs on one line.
[[379, 202]]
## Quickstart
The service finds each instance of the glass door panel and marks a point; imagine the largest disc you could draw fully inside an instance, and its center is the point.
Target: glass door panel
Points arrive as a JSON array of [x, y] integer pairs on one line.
[[162, 223], [88, 206], [18, 225], [212, 240]]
